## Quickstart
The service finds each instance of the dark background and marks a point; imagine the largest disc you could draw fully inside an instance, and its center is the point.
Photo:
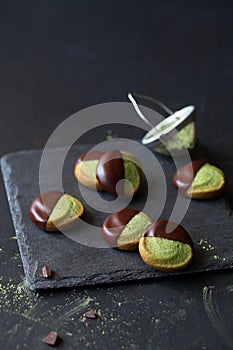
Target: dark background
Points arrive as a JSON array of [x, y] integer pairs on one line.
[[57, 57]]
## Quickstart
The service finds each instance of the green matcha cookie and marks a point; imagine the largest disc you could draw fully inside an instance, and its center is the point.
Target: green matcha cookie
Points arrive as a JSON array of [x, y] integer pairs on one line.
[[54, 211], [164, 250], [123, 228], [199, 180], [103, 171], [65, 212], [184, 139]]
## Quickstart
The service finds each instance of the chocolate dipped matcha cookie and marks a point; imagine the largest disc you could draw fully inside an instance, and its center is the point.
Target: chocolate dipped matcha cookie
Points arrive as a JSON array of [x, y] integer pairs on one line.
[[54, 211], [166, 250], [199, 180], [85, 169], [123, 228], [103, 171]]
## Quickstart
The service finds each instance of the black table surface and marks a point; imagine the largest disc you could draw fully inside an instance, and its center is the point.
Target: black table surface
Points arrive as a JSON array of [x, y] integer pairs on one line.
[[59, 57]]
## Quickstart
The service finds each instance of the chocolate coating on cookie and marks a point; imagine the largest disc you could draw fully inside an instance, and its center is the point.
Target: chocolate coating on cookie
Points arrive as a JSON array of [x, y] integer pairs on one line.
[[158, 229], [42, 206], [114, 224], [110, 170], [92, 155], [184, 177]]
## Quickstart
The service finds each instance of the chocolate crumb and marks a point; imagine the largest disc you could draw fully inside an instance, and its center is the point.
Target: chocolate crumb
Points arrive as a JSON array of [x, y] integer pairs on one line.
[[90, 314], [46, 271], [50, 338]]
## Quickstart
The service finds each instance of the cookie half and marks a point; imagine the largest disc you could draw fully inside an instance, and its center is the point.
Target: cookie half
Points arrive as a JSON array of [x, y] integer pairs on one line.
[[199, 180], [166, 251], [123, 228], [85, 169], [54, 211], [185, 139], [103, 171]]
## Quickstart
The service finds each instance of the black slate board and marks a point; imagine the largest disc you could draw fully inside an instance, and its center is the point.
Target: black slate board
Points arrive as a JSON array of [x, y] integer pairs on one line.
[[74, 264]]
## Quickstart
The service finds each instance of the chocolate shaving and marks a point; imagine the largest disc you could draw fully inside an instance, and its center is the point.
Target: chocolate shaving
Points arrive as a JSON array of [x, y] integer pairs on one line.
[[50, 338], [46, 271], [90, 314]]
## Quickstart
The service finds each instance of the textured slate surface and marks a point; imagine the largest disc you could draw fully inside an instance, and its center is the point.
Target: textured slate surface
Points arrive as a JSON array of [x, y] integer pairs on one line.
[[208, 222]]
